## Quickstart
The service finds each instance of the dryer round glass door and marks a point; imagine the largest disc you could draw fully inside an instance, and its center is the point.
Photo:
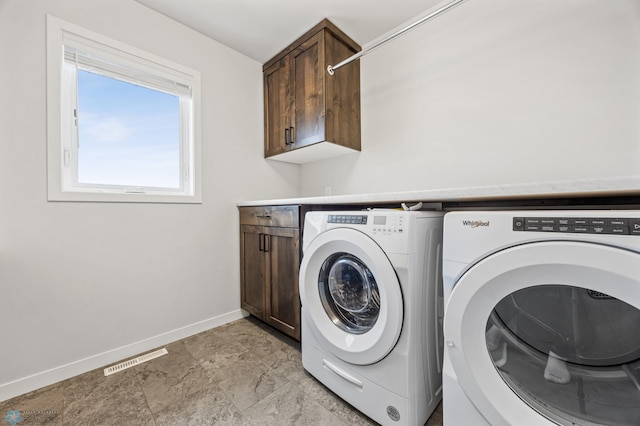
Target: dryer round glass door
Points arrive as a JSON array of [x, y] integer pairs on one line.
[[570, 352], [547, 333], [351, 296]]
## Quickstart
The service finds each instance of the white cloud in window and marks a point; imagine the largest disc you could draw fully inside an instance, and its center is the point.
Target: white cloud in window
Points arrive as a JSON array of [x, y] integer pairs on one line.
[[108, 129]]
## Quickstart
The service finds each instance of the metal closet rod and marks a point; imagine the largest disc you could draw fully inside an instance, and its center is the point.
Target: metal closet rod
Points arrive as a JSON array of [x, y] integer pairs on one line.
[[367, 49]]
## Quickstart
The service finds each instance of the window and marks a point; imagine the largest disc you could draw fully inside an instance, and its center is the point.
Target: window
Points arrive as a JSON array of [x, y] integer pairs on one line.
[[122, 123]]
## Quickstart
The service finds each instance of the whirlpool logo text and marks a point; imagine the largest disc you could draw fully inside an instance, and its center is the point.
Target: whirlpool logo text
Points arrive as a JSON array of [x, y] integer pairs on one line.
[[475, 223]]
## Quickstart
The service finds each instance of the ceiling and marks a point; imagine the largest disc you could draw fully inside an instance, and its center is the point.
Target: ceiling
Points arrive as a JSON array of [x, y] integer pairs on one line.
[[262, 28]]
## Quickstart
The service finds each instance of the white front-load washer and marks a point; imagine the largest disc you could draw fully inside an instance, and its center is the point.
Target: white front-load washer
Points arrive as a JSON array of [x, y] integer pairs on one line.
[[371, 293], [542, 318]]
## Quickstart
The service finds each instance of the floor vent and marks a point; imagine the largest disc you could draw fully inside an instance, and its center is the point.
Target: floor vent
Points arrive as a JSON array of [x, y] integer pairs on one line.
[[135, 361]]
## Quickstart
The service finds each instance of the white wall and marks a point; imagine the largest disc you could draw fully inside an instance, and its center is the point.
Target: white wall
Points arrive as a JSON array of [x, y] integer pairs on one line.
[[85, 284], [498, 92]]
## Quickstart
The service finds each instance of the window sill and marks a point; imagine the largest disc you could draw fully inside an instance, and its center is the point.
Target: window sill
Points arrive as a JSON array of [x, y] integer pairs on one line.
[[61, 196]]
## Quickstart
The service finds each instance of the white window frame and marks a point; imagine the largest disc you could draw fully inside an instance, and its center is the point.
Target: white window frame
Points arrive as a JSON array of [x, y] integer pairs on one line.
[[123, 62]]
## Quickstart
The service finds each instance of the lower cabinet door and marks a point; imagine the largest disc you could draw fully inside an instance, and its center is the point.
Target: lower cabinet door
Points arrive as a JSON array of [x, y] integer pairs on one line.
[[253, 270], [283, 300]]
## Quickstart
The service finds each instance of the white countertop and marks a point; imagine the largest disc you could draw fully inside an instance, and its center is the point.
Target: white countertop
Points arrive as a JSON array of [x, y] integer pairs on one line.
[[614, 186]]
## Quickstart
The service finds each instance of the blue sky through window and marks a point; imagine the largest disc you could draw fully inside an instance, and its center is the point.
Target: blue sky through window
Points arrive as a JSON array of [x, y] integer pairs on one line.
[[128, 135]]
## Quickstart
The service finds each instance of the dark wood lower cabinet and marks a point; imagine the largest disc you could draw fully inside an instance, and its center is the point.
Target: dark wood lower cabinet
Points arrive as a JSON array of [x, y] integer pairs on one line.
[[269, 265]]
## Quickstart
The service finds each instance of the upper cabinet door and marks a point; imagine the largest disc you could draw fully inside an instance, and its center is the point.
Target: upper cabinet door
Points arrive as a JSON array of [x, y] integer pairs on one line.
[[277, 108], [308, 71]]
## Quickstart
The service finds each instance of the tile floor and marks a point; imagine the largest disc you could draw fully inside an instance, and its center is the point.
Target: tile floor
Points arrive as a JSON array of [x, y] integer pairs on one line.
[[242, 373]]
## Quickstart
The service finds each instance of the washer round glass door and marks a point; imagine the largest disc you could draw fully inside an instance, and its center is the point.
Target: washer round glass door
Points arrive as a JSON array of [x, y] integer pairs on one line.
[[351, 296], [547, 333], [349, 293]]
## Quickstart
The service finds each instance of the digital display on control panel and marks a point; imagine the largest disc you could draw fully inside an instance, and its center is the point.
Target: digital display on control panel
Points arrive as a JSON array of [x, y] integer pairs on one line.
[[578, 225], [348, 218], [379, 220]]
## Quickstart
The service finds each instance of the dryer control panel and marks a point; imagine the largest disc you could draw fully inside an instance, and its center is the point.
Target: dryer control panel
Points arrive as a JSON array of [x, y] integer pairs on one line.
[[578, 225]]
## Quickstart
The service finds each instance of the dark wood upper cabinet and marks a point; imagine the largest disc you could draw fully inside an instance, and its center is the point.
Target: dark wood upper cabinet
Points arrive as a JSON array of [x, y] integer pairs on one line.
[[303, 104]]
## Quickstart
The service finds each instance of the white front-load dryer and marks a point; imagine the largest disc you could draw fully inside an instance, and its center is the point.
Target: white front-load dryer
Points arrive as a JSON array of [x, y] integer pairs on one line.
[[542, 318], [371, 293]]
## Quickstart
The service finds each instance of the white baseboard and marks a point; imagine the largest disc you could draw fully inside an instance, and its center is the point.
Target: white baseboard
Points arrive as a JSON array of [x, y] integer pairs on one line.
[[45, 378]]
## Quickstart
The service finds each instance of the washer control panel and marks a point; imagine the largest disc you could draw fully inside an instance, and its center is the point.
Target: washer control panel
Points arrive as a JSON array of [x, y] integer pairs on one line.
[[378, 224], [350, 219], [578, 225], [388, 225]]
